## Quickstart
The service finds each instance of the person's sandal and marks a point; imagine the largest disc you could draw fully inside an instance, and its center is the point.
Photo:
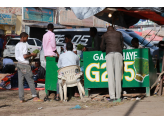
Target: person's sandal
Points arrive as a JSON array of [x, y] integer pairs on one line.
[[57, 98], [22, 101], [37, 100]]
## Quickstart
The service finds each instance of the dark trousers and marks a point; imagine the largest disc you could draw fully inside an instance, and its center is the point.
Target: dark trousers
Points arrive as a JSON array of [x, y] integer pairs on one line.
[[9, 69], [1, 51]]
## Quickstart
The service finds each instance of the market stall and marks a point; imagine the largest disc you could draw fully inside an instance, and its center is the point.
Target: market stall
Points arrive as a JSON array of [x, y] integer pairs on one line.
[[139, 70]]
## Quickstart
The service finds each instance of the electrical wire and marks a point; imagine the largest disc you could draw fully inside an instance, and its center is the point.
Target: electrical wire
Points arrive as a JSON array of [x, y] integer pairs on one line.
[[153, 38], [145, 37]]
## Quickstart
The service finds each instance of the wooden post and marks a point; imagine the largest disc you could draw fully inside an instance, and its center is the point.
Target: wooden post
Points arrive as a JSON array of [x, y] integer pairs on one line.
[[161, 82], [161, 87], [86, 92], [147, 91]]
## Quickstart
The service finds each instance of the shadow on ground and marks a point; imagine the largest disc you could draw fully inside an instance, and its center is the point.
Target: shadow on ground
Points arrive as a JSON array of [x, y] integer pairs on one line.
[[131, 108], [4, 106]]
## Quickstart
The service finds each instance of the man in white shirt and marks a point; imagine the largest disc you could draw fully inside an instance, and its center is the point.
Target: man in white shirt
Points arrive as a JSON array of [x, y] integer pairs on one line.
[[66, 59], [68, 39], [24, 69]]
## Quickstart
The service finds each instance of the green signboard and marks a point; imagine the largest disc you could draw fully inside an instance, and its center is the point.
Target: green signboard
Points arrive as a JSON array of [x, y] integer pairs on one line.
[[138, 69]]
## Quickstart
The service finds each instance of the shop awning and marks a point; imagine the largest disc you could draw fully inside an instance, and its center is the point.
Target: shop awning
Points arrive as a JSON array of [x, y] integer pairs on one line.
[[125, 16], [44, 25]]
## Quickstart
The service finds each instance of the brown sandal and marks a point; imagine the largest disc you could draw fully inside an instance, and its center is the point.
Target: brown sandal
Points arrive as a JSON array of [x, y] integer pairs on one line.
[[22, 101]]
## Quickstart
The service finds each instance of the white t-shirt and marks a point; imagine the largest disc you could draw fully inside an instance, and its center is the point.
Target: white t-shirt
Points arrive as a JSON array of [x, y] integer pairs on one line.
[[20, 50], [68, 58], [74, 47]]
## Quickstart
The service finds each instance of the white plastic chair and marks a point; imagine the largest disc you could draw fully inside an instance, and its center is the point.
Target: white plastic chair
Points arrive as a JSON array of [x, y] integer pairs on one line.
[[69, 77]]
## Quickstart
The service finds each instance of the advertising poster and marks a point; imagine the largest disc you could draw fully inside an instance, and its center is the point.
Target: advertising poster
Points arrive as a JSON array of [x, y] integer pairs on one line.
[[138, 69]]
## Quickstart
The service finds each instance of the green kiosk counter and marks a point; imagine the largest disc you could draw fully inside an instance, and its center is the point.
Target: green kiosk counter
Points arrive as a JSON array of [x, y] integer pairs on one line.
[[51, 75], [139, 70]]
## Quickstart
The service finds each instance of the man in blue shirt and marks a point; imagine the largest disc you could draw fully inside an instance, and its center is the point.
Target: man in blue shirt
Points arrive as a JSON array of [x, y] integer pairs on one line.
[[8, 66], [1, 45]]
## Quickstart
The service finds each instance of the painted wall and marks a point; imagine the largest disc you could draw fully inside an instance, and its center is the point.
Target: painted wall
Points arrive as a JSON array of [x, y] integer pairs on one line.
[[10, 24], [18, 25], [12, 10]]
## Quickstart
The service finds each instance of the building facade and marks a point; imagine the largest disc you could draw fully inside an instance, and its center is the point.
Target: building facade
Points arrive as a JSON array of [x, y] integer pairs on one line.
[[10, 20], [14, 20]]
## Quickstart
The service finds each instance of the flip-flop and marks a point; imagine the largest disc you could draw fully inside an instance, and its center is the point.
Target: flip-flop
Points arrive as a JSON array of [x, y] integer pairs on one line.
[[118, 100], [38, 100], [22, 101]]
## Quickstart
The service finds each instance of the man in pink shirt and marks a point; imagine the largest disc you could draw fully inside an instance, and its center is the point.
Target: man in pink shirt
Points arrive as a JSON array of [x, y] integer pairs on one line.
[[49, 43]]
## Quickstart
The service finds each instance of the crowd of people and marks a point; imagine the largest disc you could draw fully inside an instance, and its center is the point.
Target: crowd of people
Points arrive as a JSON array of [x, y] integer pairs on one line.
[[111, 42]]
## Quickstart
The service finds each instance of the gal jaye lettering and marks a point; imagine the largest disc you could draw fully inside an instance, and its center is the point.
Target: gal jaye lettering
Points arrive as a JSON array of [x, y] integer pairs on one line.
[[129, 56], [97, 57]]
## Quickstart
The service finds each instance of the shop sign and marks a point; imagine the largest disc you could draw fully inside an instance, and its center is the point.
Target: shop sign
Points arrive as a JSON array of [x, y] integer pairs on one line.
[[30, 13], [8, 19], [135, 73]]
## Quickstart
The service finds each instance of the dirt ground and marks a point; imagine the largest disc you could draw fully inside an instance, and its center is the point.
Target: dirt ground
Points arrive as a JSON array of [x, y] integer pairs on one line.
[[10, 105]]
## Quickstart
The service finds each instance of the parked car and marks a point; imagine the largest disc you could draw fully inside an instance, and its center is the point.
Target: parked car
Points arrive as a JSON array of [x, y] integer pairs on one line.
[[32, 44], [7, 37]]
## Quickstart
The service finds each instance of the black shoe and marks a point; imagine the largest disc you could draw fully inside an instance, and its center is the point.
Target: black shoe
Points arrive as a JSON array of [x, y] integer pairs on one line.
[[57, 98], [111, 100]]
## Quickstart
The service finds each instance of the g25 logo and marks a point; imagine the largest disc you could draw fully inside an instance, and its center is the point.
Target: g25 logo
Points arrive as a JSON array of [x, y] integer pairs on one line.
[[96, 73], [104, 78]]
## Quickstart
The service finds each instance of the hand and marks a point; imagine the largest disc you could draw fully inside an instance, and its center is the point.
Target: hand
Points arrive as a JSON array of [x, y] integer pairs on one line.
[[62, 49], [55, 51], [83, 49], [34, 54]]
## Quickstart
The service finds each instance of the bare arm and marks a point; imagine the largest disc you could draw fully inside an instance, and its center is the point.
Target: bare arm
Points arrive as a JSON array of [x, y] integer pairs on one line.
[[28, 56], [75, 52], [57, 53]]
